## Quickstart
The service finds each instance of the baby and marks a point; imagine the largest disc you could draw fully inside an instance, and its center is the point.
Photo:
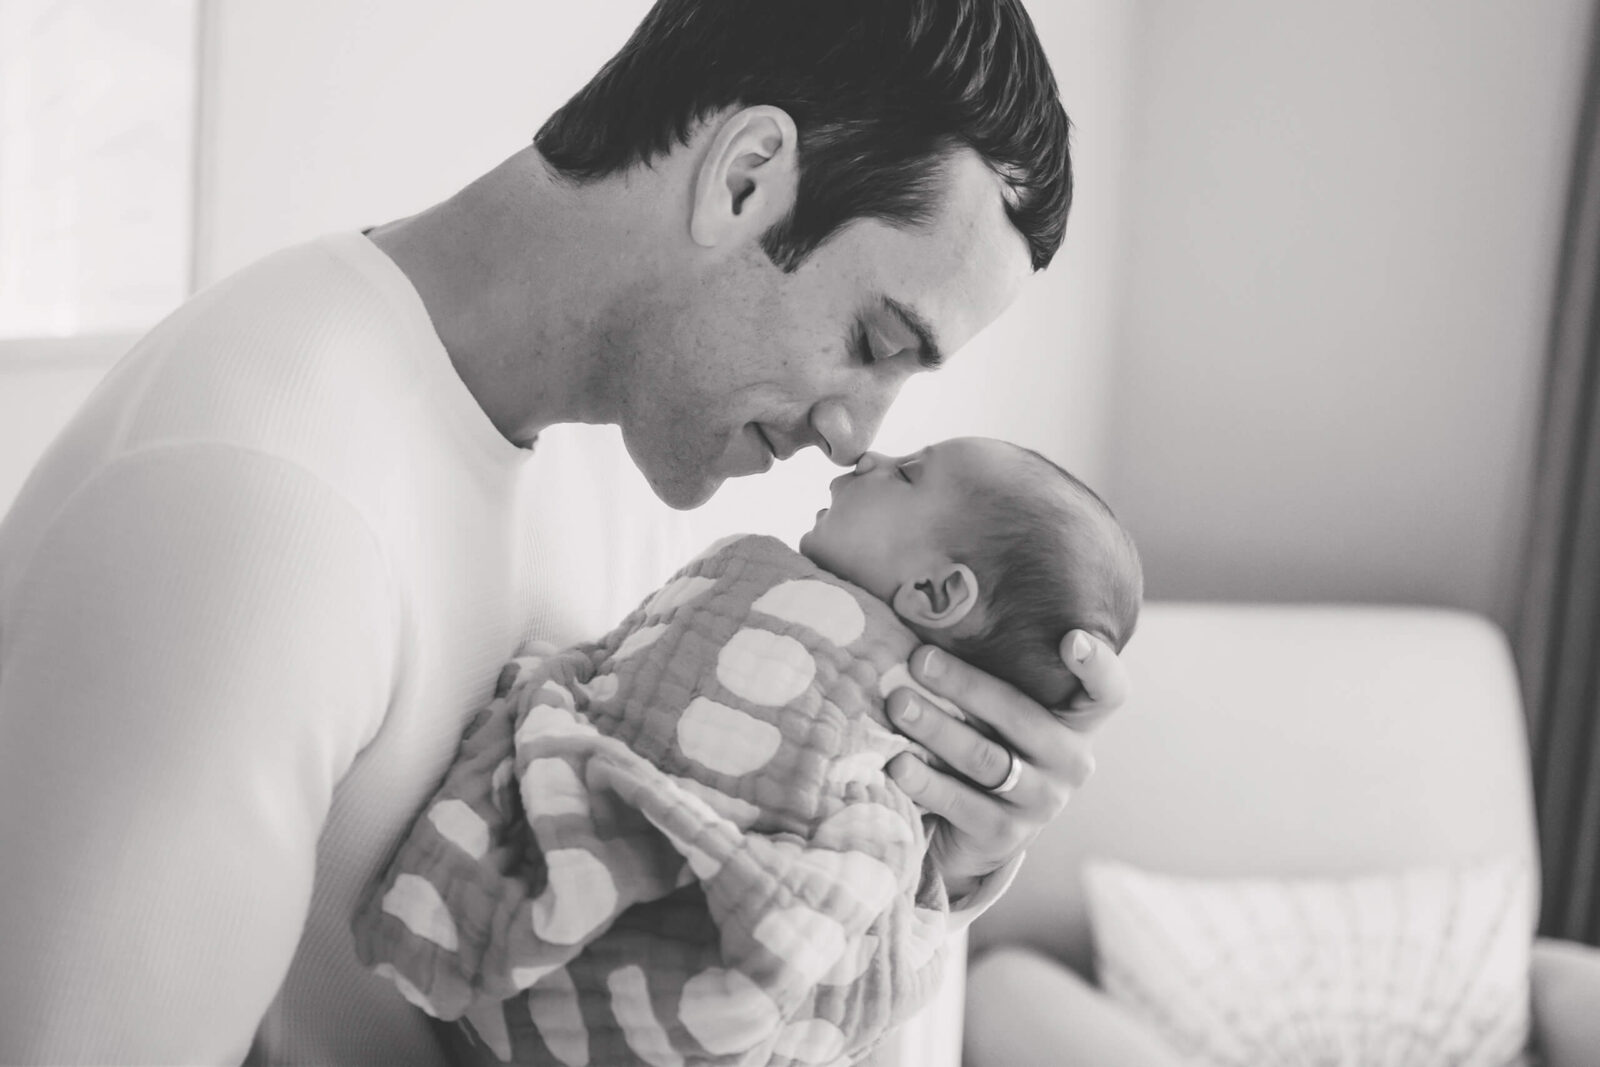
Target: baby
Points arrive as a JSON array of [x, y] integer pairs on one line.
[[678, 844]]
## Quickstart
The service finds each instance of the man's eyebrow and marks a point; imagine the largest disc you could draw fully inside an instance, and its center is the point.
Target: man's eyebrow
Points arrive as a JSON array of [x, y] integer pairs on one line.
[[929, 354]]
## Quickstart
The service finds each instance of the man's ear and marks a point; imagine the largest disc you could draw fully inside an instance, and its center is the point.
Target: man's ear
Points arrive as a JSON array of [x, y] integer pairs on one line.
[[939, 599], [747, 178]]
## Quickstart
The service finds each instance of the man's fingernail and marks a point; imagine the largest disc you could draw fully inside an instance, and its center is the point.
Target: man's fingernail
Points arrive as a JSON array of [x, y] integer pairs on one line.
[[911, 710], [910, 773], [932, 663], [1081, 647]]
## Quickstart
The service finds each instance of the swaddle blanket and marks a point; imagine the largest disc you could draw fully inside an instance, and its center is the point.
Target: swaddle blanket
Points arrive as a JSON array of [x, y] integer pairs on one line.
[[677, 844]]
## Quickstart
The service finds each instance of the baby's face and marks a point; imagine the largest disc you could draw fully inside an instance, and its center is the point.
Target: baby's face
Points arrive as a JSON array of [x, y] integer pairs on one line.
[[887, 517]]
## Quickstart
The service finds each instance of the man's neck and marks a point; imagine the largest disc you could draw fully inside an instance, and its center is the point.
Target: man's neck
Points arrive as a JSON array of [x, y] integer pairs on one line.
[[524, 276]]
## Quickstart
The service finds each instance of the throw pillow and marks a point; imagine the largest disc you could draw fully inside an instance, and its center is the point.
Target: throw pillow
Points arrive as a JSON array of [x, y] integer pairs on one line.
[[1424, 968]]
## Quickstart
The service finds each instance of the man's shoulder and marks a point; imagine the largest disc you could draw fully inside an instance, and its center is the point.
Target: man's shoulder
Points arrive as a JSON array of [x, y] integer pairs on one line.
[[321, 354], [309, 362], [306, 308]]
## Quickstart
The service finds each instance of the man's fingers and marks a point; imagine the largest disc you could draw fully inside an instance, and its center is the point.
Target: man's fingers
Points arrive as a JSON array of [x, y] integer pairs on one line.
[[957, 745], [1099, 669], [1061, 755], [972, 811], [1009, 713]]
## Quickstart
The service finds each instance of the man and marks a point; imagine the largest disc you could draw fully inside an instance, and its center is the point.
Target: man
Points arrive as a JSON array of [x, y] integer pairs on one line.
[[250, 596]]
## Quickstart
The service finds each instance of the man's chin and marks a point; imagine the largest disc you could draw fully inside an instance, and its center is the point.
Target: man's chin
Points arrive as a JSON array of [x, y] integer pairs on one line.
[[687, 498], [683, 494]]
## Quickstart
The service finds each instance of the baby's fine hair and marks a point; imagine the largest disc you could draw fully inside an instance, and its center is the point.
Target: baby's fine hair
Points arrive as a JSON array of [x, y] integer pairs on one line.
[[1050, 557]]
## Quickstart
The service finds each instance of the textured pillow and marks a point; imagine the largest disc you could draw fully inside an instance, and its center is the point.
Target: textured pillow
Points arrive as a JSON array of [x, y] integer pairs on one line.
[[1422, 968]]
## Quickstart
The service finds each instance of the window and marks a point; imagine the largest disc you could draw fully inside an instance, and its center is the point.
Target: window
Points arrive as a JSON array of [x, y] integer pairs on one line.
[[97, 110]]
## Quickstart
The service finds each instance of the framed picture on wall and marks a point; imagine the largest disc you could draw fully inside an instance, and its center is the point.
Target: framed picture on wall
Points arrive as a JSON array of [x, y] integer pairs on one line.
[[97, 120]]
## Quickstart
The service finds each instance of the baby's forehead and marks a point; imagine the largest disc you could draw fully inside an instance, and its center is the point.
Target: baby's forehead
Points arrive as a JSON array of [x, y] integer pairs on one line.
[[986, 465], [977, 453]]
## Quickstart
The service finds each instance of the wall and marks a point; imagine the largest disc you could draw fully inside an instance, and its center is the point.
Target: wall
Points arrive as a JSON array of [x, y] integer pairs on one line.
[[97, 102], [1296, 332], [1332, 313], [324, 115]]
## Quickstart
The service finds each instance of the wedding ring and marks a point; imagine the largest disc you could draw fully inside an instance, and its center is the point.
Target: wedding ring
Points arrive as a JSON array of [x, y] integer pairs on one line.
[[1013, 776]]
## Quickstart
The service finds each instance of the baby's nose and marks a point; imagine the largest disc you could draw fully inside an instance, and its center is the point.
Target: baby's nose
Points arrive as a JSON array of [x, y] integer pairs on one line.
[[869, 461]]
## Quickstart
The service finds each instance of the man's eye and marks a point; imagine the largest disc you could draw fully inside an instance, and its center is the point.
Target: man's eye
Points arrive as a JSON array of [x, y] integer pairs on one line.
[[901, 472], [861, 346]]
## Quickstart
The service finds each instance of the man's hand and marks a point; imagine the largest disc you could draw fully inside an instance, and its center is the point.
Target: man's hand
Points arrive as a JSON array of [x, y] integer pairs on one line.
[[981, 831]]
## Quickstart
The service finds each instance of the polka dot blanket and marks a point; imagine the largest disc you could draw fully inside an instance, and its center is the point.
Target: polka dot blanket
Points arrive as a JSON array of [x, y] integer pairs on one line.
[[677, 845]]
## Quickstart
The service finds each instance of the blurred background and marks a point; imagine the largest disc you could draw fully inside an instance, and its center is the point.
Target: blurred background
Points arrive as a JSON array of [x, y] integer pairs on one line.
[[1296, 336]]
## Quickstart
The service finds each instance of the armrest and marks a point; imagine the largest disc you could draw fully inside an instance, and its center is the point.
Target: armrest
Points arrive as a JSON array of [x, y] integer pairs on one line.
[[1566, 992], [1023, 1008]]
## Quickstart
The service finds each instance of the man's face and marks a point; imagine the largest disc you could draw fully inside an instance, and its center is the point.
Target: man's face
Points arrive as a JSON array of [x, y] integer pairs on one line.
[[887, 520], [738, 364]]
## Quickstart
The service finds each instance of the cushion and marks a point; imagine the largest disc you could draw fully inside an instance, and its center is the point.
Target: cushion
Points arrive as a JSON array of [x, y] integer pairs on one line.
[[1024, 1007], [1419, 968]]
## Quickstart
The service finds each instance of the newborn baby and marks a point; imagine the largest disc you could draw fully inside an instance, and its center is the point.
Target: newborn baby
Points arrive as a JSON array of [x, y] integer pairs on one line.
[[677, 844]]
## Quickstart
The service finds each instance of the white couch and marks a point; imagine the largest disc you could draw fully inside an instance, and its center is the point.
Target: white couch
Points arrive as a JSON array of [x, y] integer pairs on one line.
[[1273, 741]]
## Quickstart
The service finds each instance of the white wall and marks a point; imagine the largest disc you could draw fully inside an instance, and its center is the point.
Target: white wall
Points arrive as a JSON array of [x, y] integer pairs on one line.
[[320, 115], [97, 103], [1341, 248], [1297, 330]]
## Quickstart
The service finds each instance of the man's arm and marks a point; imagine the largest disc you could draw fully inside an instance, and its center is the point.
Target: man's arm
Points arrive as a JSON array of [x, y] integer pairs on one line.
[[190, 661]]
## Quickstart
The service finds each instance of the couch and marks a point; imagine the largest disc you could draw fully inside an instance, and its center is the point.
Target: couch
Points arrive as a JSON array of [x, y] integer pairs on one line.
[[1273, 741]]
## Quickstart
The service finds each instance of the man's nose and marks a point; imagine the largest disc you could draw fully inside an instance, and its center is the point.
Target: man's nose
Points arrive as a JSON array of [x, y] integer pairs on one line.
[[846, 435]]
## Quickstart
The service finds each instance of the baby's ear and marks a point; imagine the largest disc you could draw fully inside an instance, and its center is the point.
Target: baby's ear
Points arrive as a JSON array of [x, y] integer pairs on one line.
[[940, 599]]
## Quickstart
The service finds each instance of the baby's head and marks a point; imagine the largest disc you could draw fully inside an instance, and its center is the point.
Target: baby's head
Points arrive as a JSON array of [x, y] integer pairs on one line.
[[986, 549]]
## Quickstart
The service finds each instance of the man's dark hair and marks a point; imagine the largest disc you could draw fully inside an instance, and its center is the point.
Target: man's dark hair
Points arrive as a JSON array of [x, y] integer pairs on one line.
[[880, 91], [1049, 558]]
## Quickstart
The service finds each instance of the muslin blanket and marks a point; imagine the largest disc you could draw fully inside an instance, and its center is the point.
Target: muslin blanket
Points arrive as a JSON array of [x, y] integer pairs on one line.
[[677, 845]]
